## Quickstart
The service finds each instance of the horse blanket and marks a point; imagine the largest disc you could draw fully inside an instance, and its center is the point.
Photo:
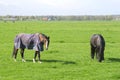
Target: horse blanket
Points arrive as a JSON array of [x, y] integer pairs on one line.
[[28, 41]]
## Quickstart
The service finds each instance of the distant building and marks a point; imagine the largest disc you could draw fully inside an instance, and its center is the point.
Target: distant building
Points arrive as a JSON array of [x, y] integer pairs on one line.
[[9, 19], [44, 18]]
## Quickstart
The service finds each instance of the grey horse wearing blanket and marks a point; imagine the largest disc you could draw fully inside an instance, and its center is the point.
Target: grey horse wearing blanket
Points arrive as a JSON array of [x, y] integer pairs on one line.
[[97, 44], [30, 41]]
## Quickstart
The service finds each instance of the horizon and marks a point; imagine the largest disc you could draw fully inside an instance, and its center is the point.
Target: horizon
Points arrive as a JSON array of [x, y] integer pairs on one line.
[[62, 15]]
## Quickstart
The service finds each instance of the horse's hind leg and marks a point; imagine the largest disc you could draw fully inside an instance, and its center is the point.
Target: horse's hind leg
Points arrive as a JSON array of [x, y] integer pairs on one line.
[[92, 52], [22, 55], [15, 54], [103, 56], [99, 57]]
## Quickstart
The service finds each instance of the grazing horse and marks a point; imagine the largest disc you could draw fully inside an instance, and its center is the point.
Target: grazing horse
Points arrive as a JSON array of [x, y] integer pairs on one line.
[[97, 44], [35, 41]]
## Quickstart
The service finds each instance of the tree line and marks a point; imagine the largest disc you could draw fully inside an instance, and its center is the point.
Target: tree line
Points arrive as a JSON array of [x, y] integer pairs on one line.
[[60, 18]]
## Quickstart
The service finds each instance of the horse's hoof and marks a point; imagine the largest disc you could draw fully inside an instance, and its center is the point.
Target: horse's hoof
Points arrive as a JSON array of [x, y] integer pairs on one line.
[[33, 60], [39, 62], [15, 60], [23, 60]]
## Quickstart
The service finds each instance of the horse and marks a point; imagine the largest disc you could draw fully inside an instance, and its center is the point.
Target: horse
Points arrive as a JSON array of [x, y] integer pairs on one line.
[[35, 42], [97, 44]]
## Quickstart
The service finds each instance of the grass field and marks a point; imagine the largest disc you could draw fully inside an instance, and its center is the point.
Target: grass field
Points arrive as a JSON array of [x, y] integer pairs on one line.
[[68, 57]]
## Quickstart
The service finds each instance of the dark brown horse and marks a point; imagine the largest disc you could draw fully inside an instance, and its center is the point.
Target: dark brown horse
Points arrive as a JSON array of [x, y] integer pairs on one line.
[[35, 41], [97, 44]]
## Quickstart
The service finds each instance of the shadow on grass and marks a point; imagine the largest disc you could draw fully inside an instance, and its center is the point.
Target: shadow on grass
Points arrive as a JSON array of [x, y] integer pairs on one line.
[[64, 62], [118, 77], [55, 61], [114, 59], [55, 51]]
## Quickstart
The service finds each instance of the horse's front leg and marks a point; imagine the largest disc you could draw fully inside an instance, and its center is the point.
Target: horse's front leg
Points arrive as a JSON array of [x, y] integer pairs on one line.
[[34, 59], [38, 52], [22, 55]]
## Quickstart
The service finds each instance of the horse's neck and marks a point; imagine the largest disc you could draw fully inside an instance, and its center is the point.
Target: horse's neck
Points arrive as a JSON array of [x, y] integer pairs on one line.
[[41, 37]]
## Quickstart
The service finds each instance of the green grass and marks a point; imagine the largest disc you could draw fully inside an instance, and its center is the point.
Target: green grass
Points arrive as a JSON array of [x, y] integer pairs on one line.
[[68, 57]]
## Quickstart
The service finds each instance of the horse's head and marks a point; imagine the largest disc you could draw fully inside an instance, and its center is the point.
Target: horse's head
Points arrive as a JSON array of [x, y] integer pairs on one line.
[[45, 40]]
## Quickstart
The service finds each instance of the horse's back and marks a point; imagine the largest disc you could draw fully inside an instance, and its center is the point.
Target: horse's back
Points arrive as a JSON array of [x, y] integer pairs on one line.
[[24, 36], [29, 41], [97, 40]]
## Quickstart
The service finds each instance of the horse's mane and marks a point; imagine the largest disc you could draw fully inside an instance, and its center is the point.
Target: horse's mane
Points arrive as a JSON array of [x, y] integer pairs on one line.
[[43, 35]]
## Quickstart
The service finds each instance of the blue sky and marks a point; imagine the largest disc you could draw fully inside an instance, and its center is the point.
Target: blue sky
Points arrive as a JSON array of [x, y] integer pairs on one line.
[[59, 7]]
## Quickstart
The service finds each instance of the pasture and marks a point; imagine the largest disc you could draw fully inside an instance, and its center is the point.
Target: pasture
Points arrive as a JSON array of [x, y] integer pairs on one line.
[[68, 56]]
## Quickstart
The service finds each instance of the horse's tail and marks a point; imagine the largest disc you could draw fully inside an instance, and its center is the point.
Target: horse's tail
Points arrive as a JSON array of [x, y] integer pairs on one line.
[[13, 51]]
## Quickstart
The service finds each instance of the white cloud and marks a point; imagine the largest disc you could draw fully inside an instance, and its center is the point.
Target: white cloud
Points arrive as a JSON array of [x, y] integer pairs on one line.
[[59, 7]]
